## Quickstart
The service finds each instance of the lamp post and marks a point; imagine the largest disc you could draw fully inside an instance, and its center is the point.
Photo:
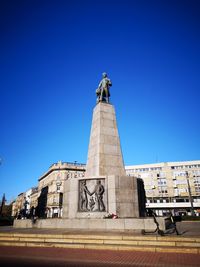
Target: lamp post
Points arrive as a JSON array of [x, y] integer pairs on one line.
[[190, 195]]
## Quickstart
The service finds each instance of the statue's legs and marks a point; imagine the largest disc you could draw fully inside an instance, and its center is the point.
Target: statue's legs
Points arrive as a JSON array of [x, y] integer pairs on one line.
[[107, 95], [101, 95], [82, 203], [104, 95], [102, 204]]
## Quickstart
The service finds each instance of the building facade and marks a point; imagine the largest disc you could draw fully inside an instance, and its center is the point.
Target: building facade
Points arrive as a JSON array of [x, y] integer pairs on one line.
[[170, 186], [33, 197], [51, 185], [18, 205], [21, 206]]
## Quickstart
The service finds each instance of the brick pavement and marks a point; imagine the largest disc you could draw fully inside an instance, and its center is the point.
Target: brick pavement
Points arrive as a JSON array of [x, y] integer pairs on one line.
[[26, 256], [32, 257]]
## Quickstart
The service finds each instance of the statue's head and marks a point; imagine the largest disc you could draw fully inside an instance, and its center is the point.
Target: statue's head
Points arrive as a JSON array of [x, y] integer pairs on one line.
[[104, 75]]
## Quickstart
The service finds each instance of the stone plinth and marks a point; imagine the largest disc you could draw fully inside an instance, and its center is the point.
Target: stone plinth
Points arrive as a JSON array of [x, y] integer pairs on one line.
[[123, 196], [105, 170], [72, 201], [120, 197], [104, 153], [122, 225]]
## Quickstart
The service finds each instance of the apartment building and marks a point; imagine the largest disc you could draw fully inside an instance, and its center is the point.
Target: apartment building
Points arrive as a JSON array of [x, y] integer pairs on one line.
[[170, 186], [21, 206], [18, 204]]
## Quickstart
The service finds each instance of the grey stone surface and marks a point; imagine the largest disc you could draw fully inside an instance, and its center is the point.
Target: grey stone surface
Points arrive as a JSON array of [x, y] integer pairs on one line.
[[100, 224], [71, 199], [137, 224], [120, 197], [122, 190], [104, 153]]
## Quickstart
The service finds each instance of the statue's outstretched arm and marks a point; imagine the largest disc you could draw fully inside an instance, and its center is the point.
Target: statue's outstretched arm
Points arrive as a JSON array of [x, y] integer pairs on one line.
[[86, 189]]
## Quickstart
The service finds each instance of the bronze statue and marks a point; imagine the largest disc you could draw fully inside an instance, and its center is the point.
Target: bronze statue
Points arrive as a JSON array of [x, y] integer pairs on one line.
[[103, 92]]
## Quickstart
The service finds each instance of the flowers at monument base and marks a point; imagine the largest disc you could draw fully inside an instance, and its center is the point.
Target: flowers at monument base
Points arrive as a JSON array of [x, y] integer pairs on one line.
[[110, 216]]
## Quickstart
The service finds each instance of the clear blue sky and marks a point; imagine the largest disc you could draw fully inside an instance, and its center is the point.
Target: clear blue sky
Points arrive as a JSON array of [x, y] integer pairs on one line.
[[52, 55]]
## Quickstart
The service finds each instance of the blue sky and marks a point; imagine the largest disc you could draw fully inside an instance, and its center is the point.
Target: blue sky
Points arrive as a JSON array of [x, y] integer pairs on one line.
[[52, 55]]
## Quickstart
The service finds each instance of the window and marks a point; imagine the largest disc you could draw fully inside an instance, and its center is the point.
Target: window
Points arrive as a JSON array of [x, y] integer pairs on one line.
[[58, 185], [162, 181], [58, 188], [54, 200], [182, 200]]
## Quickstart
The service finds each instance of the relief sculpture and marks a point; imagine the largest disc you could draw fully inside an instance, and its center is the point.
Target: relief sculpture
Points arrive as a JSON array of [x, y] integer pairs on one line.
[[91, 193]]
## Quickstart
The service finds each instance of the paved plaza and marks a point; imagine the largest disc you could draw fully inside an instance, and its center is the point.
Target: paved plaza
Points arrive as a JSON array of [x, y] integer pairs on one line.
[[49, 256], [24, 256]]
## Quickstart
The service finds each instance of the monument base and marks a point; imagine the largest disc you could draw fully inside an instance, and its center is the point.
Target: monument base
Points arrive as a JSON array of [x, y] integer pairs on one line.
[[83, 200], [122, 225]]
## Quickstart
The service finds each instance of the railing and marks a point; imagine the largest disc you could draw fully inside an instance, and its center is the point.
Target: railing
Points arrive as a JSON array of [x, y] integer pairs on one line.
[[68, 163]]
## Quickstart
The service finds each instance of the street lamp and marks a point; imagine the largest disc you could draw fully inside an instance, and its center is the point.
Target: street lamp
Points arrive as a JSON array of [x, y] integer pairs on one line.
[[190, 195]]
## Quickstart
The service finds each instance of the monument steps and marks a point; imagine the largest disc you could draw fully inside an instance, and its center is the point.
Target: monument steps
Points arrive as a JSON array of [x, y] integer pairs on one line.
[[130, 242]]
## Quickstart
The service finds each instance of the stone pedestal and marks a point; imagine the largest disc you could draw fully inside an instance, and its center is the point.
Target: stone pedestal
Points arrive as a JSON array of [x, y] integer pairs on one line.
[[123, 196], [105, 188], [120, 197], [104, 153]]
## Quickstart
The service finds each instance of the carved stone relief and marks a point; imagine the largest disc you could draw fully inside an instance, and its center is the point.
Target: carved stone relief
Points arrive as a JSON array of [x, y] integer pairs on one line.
[[91, 195]]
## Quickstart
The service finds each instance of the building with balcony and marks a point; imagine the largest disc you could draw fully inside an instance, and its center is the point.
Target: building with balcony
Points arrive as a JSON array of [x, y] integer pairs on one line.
[[51, 185], [170, 186]]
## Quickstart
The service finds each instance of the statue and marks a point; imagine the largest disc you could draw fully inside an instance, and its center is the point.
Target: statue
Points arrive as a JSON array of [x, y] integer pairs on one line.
[[102, 91]]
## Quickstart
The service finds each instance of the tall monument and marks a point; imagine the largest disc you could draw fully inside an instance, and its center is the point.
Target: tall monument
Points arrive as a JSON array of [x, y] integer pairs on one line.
[[104, 153], [105, 187]]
